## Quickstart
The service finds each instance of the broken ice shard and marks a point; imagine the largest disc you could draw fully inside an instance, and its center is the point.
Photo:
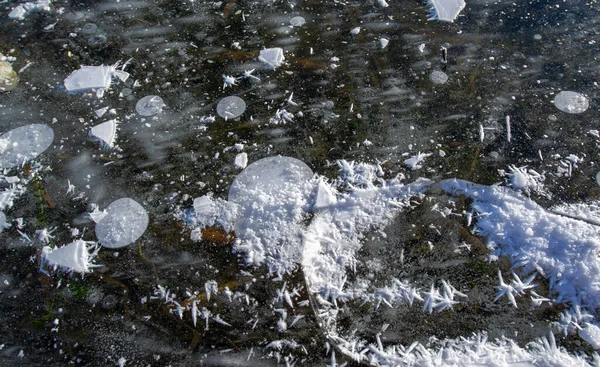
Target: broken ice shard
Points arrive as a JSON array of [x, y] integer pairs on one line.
[[445, 10], [93, 78], [571, 102], [231, 107], [106, 132], [126, 220], [273, 57], [19, 145], [149, 105], [76, 257]]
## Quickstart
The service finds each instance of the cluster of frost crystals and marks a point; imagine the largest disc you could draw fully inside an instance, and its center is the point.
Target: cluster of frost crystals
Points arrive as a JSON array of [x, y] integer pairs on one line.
[[560, 248], [76, 257], [525, 180], [209, 212], [282, 117]]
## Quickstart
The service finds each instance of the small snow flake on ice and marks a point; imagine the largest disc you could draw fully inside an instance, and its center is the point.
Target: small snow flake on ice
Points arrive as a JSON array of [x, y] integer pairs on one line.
[[228, 81], [414, 162]]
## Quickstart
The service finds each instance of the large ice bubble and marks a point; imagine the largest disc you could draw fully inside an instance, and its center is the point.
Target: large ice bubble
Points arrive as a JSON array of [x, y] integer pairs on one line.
[[149, 105], [126, 220], [273, 195], [231, 107], [19, 145], [571, 102]]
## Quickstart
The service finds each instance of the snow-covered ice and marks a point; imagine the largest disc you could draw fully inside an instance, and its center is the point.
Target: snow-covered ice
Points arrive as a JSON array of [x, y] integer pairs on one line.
[[125, 221]]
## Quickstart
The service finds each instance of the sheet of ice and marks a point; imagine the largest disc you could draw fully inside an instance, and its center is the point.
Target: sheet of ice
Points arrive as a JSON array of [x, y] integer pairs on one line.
[[273, 57], [126, 220], [106, 132], [149, 105], [231, 107], [273, 195], [24, 143], [445, 10], [571, 102], [76, 257], [20, 11], [558, 247]]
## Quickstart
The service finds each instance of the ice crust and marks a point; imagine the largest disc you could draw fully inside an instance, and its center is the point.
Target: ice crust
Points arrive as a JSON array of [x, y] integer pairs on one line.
[[24, 143], [126, 220]]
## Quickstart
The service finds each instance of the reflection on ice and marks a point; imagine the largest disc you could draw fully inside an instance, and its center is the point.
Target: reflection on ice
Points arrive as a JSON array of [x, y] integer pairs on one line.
[[126, 220], [24, 143]]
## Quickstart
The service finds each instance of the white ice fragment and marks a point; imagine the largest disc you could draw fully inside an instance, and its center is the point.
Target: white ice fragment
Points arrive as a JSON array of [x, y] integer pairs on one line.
[[228, 81], [101, 111], [106, 132], [76, 257], [591, 334], [273, 57], [241, 160], [325, 196], [231, 107], [384, 42], [445, 10], [96, 215], [93, 78], [297, 21], [414, 162], [149, 105], [126, 220], [21, 11], [438, 77], [19, 145], [204, 205], [571, 102], [354, 31]]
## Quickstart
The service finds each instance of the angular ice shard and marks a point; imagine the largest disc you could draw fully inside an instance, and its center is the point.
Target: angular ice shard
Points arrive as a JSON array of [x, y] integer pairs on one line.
[[149, 105], [76, 257], [272, 195], [126, 220], [273, 57], [445, 10], [231, 107], [24, 143], [571, 102], [106, 132], [93, 78]]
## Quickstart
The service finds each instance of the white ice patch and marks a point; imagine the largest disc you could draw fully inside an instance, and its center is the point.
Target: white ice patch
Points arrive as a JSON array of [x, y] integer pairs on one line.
[[76, 257], [126, 220], [560, 248], [106, 132], [273, 57], [19, 12], [445, 10], [415, 161], [241, 160], [94, 78], [273, 195], [23, 144]]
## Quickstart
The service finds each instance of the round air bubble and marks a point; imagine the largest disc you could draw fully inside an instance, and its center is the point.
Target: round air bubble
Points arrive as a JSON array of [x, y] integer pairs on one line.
[[297, 21], [149, 105], [438, 77], [89, 29], [126, 220], [231, 107], [19, 145], [571, 102]]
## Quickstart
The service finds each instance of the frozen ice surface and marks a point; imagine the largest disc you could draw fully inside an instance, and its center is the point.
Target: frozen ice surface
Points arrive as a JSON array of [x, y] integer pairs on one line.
[[106, 132], [231, 107], [438, 77], [273, 194], [149, 105], [126, 220], [297, 21], [445, 10], [19, 145], [273, 57], [76, 257], [571, 102]]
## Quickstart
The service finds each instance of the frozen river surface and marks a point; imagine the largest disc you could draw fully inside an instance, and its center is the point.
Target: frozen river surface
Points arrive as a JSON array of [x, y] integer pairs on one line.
[[302, 183]]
